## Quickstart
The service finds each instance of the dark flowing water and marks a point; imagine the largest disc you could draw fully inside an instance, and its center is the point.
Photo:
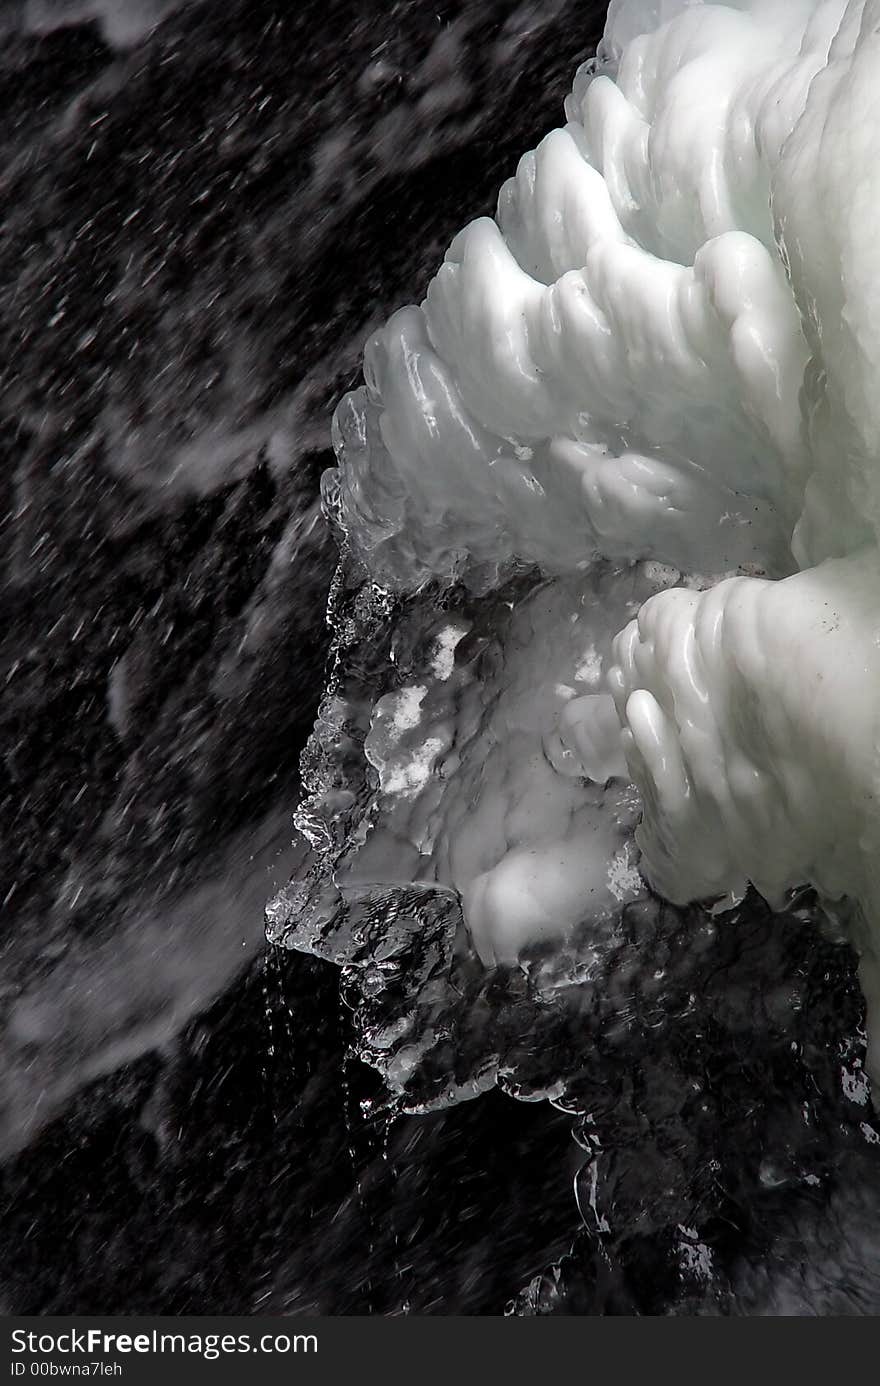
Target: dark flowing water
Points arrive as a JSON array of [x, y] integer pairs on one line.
[[201, 224]]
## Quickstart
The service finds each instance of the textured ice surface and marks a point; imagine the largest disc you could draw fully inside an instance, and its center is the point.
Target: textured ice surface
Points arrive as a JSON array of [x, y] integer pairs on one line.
[[606, 622], [663, 348]]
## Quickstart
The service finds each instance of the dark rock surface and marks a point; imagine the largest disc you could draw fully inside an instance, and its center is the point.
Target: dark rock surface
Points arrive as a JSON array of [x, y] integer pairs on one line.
[[201, 222]]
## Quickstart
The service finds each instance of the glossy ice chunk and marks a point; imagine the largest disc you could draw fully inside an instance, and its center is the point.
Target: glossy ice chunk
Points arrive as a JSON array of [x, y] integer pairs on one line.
[[664, 351]]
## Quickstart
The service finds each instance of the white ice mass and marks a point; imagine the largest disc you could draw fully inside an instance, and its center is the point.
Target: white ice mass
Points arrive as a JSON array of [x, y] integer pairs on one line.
[[655, 375]]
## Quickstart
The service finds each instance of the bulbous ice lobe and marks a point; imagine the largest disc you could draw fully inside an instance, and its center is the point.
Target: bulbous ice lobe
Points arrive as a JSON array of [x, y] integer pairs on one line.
[[665, 347], [750, 725]]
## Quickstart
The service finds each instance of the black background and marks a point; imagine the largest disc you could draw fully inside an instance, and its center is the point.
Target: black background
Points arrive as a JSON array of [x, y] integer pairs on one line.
[[201, 223]]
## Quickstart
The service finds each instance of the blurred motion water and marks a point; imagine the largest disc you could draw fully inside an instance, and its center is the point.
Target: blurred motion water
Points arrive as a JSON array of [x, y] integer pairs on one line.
[[206, 208]]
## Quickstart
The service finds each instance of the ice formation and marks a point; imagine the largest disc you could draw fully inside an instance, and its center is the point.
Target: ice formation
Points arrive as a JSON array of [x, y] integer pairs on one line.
[[652, 378]]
